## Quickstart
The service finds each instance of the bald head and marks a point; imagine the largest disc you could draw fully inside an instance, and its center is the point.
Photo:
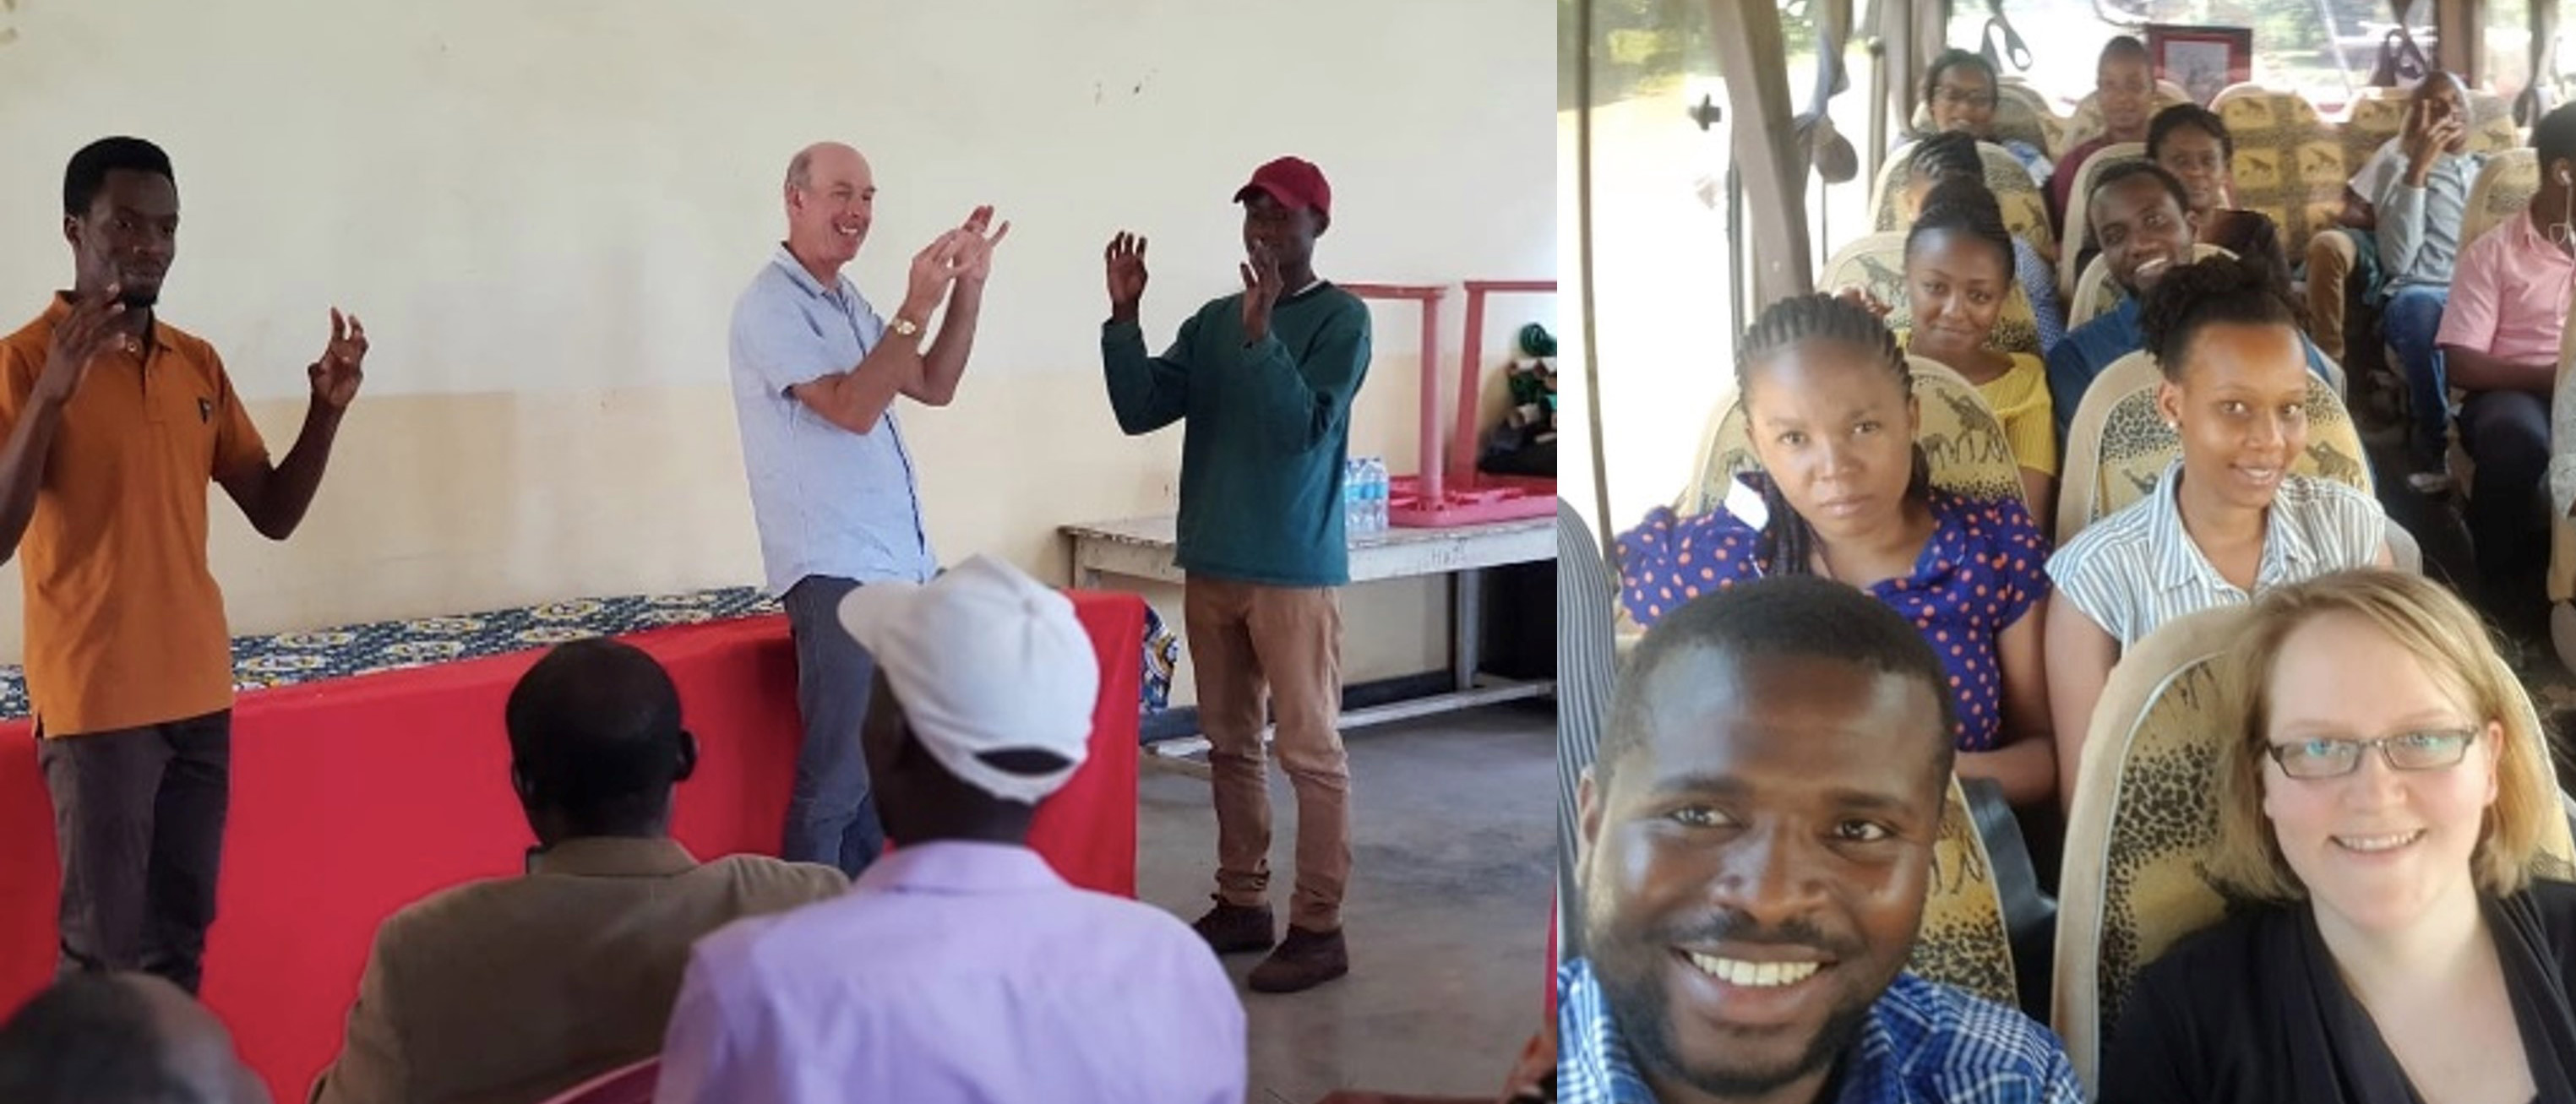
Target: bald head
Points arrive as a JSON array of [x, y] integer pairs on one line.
[[832, 156], [120, 1039], [831, 197]]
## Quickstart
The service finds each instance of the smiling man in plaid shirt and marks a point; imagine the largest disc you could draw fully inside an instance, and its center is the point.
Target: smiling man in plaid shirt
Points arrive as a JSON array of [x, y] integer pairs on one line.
[[1757, 843]]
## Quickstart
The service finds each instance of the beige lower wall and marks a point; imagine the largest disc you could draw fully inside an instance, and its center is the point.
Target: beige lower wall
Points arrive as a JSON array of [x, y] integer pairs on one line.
[[450, 503]]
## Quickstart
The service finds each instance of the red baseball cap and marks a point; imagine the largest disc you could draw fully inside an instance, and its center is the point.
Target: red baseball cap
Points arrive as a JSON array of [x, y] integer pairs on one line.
[[1294, 182]]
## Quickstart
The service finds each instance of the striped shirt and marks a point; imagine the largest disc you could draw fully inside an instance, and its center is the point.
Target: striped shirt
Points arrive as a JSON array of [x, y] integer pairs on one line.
[[1922, 1043], [2138, 568]]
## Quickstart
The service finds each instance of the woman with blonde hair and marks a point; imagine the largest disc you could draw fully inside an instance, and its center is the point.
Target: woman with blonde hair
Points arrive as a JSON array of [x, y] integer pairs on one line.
[[2383, 794]]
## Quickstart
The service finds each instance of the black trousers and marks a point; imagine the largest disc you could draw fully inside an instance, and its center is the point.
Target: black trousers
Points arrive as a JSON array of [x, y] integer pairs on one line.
[[139, 825]]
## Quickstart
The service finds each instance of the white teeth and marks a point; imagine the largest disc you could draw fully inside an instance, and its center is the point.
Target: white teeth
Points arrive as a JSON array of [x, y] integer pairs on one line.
[[1754, 975], [2378, 843]]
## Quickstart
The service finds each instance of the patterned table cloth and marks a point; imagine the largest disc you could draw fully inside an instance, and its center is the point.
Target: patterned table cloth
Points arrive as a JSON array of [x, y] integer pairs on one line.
[[285, 659]]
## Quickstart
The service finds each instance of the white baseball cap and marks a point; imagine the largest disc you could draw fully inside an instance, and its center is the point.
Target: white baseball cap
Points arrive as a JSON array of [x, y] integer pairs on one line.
[[984, 659]]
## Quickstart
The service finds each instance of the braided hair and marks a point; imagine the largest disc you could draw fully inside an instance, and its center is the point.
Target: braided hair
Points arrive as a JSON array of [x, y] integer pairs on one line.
[[1945, 155], [2207, 292], [1787, 541], [1961, 204]]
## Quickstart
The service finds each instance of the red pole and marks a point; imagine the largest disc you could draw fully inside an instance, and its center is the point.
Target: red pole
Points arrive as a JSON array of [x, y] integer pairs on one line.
[[1428, 427], [1462, 449]]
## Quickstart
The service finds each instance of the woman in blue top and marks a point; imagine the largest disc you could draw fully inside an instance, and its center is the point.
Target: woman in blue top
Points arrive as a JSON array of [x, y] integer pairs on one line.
[[1846, 494]]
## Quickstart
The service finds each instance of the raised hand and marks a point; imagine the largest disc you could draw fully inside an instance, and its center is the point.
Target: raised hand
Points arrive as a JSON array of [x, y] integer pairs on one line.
[[2427, 137], [343, 365], [1260, 291], [93, 328], [1859, 296], [934, 270], [979, 245], [1125, 258]]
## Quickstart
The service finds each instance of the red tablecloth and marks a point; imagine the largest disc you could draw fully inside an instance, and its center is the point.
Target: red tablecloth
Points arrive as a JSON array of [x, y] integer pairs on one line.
[[354, 797]]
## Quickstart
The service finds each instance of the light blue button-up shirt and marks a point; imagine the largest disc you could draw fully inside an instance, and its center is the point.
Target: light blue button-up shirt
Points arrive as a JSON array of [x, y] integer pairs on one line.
[[828, 501]]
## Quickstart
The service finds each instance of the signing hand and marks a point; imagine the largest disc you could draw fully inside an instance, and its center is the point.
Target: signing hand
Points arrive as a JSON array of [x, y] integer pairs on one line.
[[2426, 138], [1260, 292], [336, 376], [934, 269], [1860, 297], [979, 246], [93, 328], [1126, 260]]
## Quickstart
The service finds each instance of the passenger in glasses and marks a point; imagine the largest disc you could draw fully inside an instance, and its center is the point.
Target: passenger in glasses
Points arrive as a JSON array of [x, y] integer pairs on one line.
[[2382, 799]]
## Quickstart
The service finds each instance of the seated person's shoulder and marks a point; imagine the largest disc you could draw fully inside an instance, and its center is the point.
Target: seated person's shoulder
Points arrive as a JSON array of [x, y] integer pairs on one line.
[[1989, 521], [2174, 989], [770, 882], [2330, 510], [1719, 540], [2124, 532], [2553, 901], [1950, 1036]]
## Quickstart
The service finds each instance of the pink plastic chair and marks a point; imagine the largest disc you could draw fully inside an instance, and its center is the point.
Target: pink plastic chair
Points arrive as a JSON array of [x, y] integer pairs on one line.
[[627, 1085]]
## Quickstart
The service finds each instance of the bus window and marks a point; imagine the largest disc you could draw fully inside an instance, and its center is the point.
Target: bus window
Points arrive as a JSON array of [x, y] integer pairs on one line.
[[2294, 48], [1657, 228]]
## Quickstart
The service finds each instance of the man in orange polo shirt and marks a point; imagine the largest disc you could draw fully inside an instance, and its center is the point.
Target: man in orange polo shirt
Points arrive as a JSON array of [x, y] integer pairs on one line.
[[114, 422]]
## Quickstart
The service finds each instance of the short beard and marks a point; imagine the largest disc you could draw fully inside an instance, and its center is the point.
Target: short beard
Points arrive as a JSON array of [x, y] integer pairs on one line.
[[139, 299], [1638, 1008]]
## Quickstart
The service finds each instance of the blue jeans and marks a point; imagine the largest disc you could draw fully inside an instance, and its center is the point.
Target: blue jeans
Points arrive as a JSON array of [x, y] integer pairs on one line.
[[832, 813], [2413, 318]]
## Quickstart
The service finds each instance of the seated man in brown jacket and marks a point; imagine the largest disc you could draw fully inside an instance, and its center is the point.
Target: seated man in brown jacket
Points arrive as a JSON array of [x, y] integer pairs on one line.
[[513, 989]]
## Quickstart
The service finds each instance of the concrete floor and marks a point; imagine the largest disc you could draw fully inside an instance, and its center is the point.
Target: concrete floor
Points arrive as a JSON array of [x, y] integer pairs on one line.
[[1447, 917]]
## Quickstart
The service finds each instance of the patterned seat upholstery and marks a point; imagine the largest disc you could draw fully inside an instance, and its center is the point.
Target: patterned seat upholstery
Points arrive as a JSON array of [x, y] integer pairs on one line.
[[2503, 189], [2024, 204], [2118, 444], [2085, 123], [2289, 164], [1875, 263], [2079, 207], [1963, 940], [2142, 817], [2096, 294], [1959, 433]]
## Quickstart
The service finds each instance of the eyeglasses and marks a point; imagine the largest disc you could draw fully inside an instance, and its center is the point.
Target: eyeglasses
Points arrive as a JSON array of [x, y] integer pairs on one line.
[[2406, 751], [1962, 97]]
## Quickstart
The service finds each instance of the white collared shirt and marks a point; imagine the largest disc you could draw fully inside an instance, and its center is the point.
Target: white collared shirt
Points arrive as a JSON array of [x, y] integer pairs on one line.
[[2137, 569]]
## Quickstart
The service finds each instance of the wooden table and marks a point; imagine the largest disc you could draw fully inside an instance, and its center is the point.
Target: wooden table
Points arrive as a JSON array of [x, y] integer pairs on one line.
[[1142, 548]]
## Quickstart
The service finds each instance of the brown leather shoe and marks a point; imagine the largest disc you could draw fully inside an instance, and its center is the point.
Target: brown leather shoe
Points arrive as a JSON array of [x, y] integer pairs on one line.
[[1304, 960], [1236, 929]]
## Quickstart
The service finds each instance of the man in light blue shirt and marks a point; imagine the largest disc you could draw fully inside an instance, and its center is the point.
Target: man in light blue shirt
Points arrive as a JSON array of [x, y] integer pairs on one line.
[[1756, 852], [815, 375], [2423, 210]]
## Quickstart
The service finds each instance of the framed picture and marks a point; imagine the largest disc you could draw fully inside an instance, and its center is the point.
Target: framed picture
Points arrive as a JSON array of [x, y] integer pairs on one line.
[[2203, 60]]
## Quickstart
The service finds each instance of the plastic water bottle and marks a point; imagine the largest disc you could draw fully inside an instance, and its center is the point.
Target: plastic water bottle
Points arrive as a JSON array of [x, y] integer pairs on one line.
[[1354, 497], [1377, 494]]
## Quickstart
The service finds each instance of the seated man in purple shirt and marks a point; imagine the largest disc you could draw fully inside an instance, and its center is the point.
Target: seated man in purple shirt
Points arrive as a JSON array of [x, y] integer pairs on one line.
[[959, 968]]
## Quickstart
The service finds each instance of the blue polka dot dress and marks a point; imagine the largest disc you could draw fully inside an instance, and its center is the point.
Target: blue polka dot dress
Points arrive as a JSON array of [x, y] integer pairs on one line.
[[1983, 568]]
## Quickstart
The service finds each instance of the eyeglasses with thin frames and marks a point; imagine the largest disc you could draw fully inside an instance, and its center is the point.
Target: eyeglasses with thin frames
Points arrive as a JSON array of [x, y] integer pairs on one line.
[[1961, 97], [2405, 751]]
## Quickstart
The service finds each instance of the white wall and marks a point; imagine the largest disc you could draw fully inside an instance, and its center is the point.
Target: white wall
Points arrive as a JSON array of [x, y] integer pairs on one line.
[[544, 212]]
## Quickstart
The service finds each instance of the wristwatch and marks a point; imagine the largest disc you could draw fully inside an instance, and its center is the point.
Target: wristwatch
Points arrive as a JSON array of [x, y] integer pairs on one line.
[[905, 327]]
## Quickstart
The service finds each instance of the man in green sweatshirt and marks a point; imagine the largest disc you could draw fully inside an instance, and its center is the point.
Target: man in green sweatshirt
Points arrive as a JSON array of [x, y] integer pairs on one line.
[[1265, 379]]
